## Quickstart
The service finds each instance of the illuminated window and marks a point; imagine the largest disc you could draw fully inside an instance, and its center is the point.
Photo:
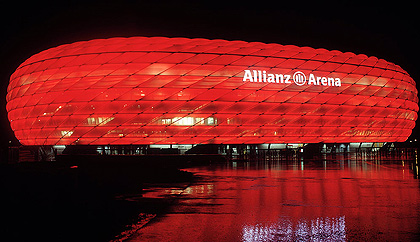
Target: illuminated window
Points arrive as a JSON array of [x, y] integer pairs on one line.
[[66, 133], [99, 120], [187, 121], [210, 121]]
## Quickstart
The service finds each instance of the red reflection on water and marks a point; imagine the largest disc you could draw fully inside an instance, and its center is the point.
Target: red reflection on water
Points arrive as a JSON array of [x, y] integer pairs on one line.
[[335, 201]]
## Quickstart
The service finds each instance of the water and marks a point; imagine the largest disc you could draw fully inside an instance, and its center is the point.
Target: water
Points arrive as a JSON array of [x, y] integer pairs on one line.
[[336, 200]]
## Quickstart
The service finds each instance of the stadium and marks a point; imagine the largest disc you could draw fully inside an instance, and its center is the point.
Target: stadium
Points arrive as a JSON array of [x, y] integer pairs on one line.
[[169, 92]]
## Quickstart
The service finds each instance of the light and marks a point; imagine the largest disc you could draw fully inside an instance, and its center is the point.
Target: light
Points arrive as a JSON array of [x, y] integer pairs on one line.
[[329, 229], [98, 120], [187, 121], [66, 133]]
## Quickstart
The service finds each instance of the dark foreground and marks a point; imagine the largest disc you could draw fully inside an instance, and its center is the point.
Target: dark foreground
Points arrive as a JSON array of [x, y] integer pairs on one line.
[[84, 198], [161, 199]]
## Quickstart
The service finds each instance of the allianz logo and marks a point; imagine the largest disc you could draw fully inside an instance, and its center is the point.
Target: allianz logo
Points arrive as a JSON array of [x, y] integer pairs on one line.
[[299, 78]]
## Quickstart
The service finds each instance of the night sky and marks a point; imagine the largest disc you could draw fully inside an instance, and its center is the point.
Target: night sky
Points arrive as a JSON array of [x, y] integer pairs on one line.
[[387, 29]]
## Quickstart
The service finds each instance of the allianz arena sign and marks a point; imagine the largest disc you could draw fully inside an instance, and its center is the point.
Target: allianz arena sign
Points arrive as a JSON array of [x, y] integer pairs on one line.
[[299, 78], [157, 90]]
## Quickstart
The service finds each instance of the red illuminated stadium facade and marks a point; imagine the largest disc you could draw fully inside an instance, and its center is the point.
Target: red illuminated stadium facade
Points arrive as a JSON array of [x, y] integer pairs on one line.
[[142, 91]]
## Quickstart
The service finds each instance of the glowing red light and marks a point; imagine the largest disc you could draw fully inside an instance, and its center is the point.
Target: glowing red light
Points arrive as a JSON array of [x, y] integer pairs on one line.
[[177, 90]]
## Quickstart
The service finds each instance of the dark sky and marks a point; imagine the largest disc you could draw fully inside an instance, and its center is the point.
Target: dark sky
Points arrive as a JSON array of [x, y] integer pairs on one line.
[[385, 29]]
